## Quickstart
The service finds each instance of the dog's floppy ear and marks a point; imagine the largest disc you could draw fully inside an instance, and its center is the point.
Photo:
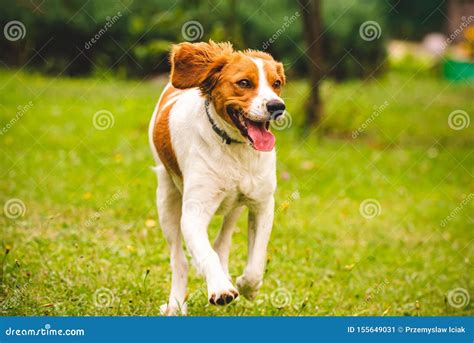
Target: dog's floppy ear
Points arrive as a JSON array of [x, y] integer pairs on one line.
[[198, 64]]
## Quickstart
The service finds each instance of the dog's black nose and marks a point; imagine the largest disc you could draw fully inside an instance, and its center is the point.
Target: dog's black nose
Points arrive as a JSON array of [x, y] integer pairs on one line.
[[276, 108]]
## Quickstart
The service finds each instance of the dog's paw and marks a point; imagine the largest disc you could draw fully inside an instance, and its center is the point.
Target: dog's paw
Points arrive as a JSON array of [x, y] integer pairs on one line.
[[223, 297], [248, 288], [173, 310], [222, 294]]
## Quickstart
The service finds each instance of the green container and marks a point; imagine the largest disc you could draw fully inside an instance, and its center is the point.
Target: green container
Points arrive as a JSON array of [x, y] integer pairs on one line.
[[458, 70]]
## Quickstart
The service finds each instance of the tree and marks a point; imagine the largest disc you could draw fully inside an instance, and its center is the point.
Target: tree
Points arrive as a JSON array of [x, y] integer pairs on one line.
[[312, 28]]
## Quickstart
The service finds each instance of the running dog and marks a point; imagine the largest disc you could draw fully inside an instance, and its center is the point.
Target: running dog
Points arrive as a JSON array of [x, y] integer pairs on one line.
[[214, 151]]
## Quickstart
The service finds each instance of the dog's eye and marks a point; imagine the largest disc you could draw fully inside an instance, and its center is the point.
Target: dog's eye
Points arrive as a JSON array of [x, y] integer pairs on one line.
[[244, 83], [277, 84]]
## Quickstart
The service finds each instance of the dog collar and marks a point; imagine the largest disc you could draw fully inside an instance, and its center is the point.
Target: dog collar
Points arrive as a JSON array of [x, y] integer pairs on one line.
[[220, 132]]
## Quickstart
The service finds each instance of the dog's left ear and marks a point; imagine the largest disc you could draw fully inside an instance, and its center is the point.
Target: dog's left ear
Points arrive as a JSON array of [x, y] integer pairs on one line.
[[198, 64]]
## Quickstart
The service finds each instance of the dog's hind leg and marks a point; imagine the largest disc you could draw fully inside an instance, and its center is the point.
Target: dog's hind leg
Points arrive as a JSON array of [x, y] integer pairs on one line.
[[224, 238], [169, 202], [260, 228]]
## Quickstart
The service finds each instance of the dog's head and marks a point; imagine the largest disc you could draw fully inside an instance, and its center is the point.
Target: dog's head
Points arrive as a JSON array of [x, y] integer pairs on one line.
[[244, 86]]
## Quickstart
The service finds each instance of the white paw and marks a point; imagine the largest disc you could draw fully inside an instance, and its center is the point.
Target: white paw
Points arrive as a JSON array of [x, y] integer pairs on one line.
[[221, 293], [248, 288], [173, 310]]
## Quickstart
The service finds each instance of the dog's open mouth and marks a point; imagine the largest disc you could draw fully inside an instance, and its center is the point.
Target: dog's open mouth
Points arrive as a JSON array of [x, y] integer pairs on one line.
[[256, 132]]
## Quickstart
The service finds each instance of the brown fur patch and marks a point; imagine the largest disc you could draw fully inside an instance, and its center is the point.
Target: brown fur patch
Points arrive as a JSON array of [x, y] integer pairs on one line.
[[216, 69], [162, 135], [274, 71], [258, 54], [198, 64], [228, 93]]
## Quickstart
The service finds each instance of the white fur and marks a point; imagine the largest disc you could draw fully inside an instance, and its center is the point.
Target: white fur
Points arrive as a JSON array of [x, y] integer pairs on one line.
[[258, 107], [218, 178]]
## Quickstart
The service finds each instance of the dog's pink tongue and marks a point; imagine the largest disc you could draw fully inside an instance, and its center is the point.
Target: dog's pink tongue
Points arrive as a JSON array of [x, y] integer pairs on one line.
[[262, 139]]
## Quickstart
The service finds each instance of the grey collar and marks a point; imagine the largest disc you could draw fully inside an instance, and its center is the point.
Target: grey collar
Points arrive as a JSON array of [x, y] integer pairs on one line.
[[220, 132]]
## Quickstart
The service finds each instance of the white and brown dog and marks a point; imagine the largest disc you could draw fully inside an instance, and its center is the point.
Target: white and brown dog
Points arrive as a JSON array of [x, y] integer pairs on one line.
[[215, 154]]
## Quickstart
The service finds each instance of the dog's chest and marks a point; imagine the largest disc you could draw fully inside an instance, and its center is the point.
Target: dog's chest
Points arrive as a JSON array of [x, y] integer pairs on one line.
[[246, 182]]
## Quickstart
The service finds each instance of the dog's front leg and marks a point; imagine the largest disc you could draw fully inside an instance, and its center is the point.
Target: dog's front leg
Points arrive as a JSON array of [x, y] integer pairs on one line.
[[260, 226], [198, 209]]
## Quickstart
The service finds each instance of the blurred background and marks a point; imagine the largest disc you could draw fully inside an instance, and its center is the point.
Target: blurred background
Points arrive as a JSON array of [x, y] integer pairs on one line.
[[328, 40], [57, 31], [375, 199]]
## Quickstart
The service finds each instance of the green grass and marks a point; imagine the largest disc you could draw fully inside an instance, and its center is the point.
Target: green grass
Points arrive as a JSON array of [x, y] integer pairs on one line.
[[324, 257]]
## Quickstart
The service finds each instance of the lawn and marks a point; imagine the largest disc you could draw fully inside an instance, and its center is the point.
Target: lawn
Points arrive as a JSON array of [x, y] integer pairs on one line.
[[375, 221]]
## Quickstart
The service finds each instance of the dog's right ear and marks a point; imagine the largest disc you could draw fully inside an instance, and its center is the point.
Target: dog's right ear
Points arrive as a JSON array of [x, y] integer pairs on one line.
[[198, 64]]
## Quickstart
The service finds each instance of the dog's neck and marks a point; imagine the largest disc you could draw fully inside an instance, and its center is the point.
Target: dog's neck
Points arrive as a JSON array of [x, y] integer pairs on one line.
[[220, 127]]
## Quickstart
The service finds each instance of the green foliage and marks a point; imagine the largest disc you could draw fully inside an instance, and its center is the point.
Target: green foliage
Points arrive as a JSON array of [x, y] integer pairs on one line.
[[412, 20], [138, 42], [346, 53], [410, 64], [76, 238]]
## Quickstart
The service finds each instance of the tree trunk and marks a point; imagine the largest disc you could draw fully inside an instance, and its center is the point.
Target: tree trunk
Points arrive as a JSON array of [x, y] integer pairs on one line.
[[233, 28], [312, 29]]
